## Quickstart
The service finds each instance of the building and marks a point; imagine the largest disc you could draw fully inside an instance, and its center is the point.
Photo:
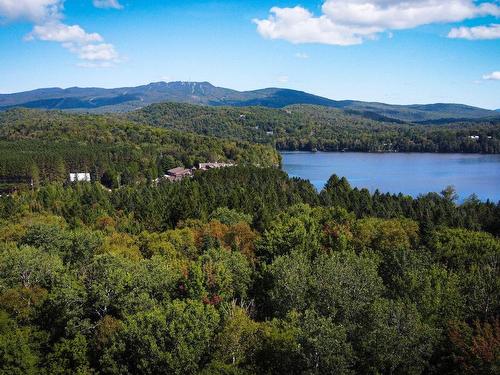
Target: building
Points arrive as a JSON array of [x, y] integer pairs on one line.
[[179, 172], [79, 177], [207, 166], [175, 174]]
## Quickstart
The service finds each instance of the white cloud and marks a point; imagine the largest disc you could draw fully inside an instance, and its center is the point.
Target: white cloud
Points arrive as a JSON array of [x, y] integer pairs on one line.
[[349, 22], [301, 55], [59, 32], [98, 52], [476, 33], [107, 4], [46, 16], [298, 25], [493, 76], [31, 10], [404, 14]]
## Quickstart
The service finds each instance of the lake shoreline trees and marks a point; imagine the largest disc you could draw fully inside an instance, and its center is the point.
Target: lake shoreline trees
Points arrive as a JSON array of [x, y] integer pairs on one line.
[[310, 127]]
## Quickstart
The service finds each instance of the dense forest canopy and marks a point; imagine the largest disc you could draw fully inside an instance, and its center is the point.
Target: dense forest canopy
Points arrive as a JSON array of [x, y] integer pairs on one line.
[[246, 271], [239, 270], [306, 127], [42, 147]]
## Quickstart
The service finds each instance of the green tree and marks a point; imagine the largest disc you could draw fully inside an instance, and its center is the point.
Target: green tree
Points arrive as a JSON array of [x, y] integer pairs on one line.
[[230, 217], [324, 345], [69, 357], [398, 341], [169, 341], [16, 354]]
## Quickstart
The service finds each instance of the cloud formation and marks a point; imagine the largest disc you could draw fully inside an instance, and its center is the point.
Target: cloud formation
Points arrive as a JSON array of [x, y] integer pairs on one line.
[[62, 33], [30, 10], [350, 22], [107, 4], [48, 25], [476, 33], [493, 76]]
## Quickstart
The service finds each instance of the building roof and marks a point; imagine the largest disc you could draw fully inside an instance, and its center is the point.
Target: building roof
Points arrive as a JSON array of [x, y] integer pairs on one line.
[[79, 176], [177, 170]]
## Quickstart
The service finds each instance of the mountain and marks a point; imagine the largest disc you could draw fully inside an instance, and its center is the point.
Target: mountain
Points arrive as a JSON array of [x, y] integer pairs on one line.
[[125, 99]]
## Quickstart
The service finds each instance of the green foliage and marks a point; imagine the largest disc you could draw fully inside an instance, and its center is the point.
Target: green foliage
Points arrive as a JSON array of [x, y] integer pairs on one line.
[[245, 271], [309, 127], [325, 346], [40, 147], [238, 339], [28, 267], [230, 217], [459, 249], [69, 357], [289, 279], [398, 341], [16, 354], [295, 229], [171, 340]]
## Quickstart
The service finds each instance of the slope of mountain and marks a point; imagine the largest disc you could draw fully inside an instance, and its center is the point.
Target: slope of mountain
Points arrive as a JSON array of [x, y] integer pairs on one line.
[[309, 127], [130, 98], [45, 146]]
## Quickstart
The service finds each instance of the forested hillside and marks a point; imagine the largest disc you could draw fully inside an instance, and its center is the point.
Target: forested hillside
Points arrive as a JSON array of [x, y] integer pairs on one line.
[[304, 127], [44, 147], [246, 271]]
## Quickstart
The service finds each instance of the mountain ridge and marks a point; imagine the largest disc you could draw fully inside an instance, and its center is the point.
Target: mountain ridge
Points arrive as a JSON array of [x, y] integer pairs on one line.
[[125, 99]]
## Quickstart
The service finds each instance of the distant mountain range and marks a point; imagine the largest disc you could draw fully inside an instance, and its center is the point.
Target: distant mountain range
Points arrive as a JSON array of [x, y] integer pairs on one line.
[[130, 98]]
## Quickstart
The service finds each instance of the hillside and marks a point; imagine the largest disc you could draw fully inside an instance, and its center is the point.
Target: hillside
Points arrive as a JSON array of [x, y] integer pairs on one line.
[[306, 127], [46, 146], [130, 98]]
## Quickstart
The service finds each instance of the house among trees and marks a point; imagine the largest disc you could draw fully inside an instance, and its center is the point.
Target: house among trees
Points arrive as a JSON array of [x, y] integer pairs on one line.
[[79, 177], [177, 174], [206, 166]]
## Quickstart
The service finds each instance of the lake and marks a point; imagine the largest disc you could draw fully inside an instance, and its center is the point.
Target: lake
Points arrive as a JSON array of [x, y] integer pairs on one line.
[[409, 173]]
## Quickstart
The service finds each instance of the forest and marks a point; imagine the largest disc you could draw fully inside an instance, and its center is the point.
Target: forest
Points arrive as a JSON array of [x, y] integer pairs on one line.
[[39, 147], [309, 128], [241, 270], [247, 271]]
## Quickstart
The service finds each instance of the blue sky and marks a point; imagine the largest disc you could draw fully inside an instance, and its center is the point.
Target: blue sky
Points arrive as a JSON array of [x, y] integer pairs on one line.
[[394, 51]]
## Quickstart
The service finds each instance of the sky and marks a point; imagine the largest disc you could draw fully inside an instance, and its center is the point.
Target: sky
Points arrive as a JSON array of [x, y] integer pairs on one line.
[[392, 51]]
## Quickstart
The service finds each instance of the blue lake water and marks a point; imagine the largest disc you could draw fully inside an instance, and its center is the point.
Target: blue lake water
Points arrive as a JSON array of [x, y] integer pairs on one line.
[[409, 173]]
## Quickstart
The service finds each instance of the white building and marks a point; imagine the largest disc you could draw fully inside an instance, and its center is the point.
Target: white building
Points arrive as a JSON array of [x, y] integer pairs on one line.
[[79, 177], [206, 166]]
